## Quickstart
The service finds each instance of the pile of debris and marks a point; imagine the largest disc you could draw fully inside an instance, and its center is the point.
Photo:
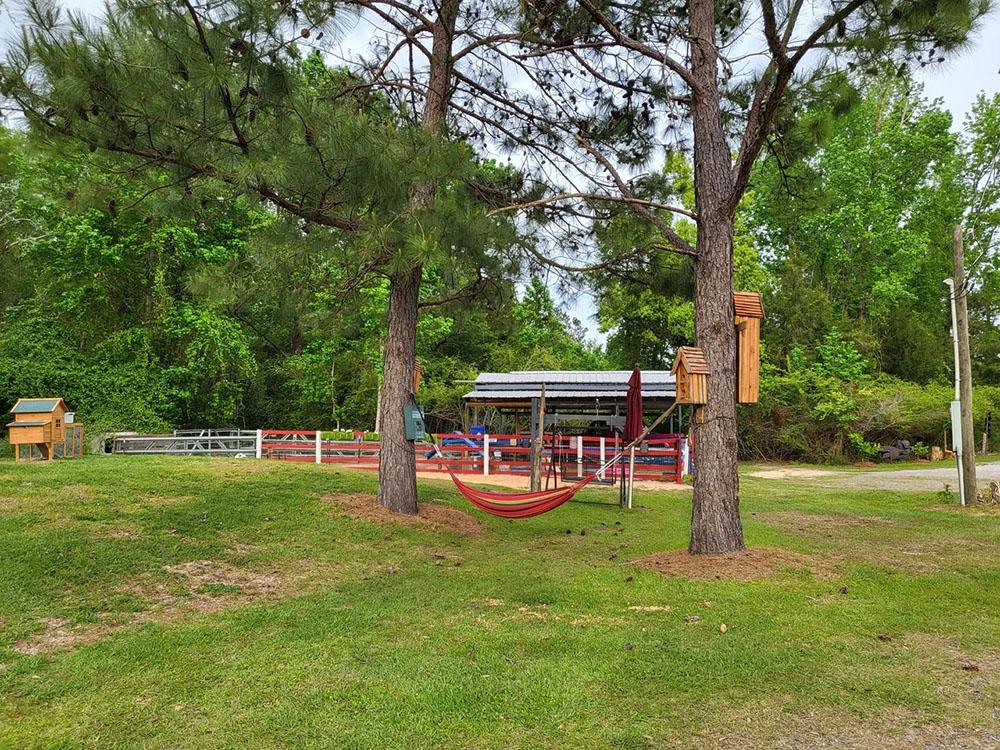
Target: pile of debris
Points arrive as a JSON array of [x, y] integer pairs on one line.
[[990, 495]]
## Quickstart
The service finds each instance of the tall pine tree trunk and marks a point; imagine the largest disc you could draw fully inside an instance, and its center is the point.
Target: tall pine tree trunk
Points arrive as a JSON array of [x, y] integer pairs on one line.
[[397, 476], [715, 514], [397, 483]]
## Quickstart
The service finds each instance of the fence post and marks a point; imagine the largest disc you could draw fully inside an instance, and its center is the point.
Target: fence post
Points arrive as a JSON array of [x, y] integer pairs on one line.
[[686, 456], [600, 474], [486, 455], [319, 446], [579, 455], [259, 445]]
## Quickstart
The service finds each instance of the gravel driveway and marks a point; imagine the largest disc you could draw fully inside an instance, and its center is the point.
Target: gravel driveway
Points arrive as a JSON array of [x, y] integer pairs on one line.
[[910, 479]]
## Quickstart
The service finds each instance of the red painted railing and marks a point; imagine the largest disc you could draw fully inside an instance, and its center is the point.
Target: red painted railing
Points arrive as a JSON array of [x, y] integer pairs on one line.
[[659, 457]]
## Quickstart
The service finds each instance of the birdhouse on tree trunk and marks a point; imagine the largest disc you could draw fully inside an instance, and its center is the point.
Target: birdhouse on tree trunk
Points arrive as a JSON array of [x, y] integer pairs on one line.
[[749, 313], [691, 371]]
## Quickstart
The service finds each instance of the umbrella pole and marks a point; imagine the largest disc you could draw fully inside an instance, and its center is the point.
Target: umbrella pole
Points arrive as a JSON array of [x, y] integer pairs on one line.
[[631, 477]]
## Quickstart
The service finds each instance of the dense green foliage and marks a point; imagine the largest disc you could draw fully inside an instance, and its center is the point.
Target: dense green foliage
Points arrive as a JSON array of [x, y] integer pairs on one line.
[[847, 232], [149, 304], [209, 309]]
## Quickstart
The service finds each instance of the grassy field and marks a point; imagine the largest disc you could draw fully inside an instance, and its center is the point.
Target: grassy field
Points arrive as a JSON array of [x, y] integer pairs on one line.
[[199, 603]]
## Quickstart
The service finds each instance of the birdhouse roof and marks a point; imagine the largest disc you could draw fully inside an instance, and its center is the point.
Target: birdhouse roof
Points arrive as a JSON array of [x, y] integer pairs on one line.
[[27, 424], [37, 405], [693, 360], [748, 304]]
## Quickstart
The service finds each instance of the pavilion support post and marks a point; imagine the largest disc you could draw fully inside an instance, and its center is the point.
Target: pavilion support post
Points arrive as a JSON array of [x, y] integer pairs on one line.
[[537, 440]]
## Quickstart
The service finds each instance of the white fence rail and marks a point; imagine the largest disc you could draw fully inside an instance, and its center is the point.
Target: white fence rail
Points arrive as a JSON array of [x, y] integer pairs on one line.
[[189, 443]]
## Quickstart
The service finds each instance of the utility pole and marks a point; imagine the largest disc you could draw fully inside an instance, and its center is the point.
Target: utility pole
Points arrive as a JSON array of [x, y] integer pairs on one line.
[[963, 436]]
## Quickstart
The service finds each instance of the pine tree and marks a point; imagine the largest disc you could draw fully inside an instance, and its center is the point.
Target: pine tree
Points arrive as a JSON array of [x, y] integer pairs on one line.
[[221, 91], [715, 77]]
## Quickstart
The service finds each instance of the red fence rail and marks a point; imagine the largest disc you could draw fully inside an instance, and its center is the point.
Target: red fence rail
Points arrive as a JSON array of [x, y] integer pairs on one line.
[[659, 457]]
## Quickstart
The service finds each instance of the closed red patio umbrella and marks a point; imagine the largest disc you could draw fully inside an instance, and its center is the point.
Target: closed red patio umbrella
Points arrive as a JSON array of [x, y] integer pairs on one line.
[[633, 428]]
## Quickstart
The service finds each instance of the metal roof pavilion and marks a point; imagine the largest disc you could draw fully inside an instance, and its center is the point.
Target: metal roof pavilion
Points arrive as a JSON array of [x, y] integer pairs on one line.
[[567, 387]]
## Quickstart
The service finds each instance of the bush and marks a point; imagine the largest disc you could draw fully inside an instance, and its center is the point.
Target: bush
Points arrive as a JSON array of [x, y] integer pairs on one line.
[[806, 416], [347, 435], [832, 409], [862, 448]]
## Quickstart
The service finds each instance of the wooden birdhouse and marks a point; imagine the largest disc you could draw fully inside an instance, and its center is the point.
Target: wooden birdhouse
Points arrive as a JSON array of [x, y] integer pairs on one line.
[[749, 313], [41, 422], [691, 371]]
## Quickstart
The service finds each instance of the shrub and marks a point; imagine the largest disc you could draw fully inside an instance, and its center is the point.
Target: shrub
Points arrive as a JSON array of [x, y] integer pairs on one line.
[[862, 447]]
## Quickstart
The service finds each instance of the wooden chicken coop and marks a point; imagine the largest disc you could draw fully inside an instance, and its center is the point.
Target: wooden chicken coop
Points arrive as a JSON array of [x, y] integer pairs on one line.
[[691, 371], [45, 424]]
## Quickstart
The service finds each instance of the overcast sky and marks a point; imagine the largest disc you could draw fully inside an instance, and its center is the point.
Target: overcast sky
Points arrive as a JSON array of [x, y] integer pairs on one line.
[[957, 82]]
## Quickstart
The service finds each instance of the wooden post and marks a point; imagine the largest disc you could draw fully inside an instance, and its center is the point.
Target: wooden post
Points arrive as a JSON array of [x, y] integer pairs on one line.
[[537, 440], [600, 474], [964, 364], [631, 477], [259, 443], [486, 455], [319, 446]]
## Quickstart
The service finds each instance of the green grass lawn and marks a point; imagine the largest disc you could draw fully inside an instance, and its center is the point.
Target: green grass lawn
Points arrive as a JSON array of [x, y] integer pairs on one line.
[[208, 603]]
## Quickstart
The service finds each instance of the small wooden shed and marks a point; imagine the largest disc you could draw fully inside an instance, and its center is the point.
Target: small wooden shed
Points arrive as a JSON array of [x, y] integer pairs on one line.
[[691, 371], [749, 311], [38, 422]]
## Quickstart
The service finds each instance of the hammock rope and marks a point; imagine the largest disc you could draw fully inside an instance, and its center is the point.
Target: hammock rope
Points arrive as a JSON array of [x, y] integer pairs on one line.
[[528, 504]]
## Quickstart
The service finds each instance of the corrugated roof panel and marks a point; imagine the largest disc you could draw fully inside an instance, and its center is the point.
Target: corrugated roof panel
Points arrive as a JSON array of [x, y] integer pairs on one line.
[[576, 377], [500, 394]]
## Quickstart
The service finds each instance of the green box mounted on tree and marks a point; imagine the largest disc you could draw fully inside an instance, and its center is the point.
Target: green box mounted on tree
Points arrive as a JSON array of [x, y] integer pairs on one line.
[[413, 419]]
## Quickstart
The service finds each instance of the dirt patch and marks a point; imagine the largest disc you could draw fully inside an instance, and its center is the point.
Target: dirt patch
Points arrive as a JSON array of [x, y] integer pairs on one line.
[[433, 516], [59, 635], [789, 472], [758, 562], [650, 608], [154, 500], [919, 556], [120, 533], [194, 586], [822, 728], [813, 521], [199, 574], [979, 509]]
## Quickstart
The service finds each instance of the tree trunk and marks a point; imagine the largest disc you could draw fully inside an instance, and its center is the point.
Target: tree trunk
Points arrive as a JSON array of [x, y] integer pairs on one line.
[[715, 513], [397, 471], [397, 483]]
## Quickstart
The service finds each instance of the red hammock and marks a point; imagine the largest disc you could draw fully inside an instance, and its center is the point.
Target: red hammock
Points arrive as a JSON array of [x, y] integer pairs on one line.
[[521, 504], [528, 504]]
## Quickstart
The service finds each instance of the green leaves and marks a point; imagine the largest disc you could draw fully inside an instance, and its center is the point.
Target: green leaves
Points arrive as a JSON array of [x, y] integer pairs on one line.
[[858, 230]]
